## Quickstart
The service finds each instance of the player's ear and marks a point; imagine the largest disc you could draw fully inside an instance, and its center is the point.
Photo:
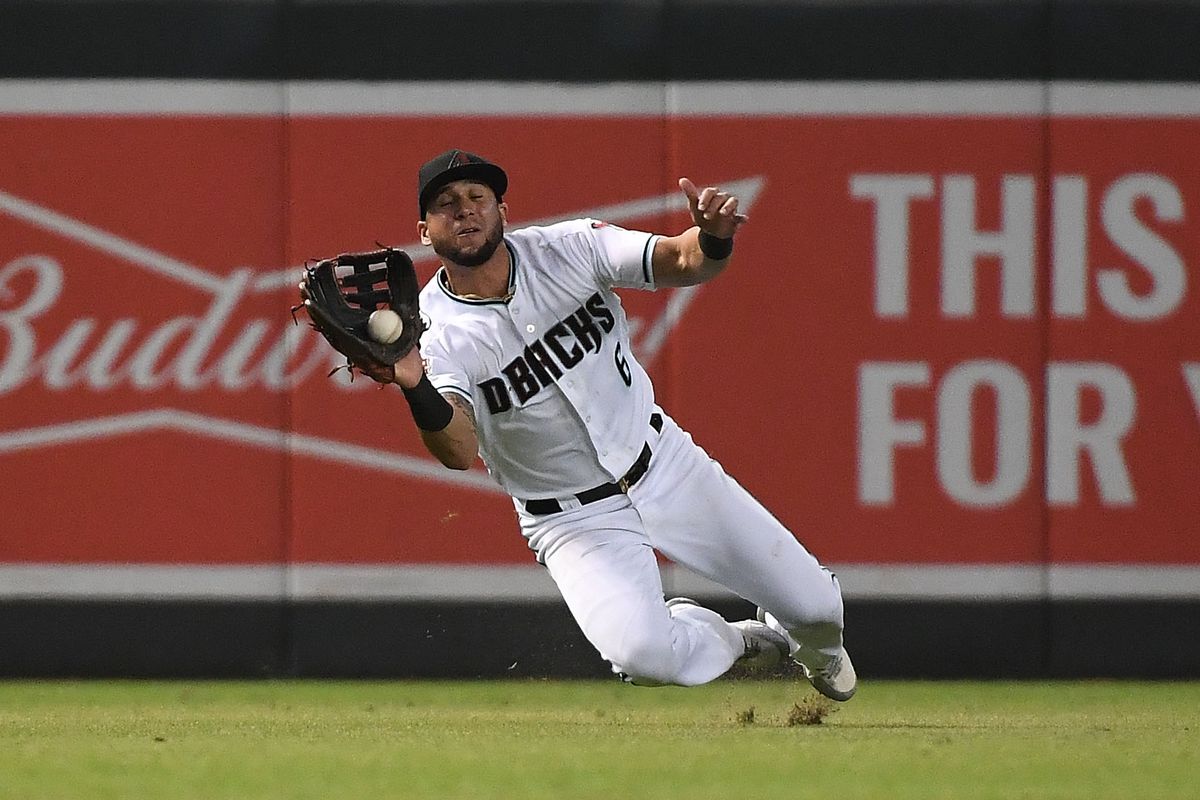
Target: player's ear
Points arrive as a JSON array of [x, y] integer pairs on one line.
[[423, 232], [503, 212]]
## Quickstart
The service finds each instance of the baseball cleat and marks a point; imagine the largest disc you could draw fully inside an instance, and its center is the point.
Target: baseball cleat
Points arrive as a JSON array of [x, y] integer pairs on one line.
[[836, 679], [765, 648]]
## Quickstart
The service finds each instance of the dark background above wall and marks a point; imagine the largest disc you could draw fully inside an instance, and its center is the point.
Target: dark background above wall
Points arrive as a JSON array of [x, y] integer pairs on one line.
[[585, 40]]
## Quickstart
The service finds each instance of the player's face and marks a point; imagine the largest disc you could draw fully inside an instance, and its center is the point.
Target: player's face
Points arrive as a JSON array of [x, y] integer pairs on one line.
[[464, 223]]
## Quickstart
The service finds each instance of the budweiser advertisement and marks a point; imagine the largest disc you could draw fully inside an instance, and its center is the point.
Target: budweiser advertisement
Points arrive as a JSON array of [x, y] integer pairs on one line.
[[957, 352]]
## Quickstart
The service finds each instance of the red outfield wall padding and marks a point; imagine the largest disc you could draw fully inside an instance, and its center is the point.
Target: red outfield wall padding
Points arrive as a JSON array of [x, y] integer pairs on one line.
[[945, 338]]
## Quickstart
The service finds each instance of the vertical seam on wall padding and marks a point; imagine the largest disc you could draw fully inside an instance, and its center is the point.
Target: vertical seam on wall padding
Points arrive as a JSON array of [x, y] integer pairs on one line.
[[287, 616], [1043, 264]]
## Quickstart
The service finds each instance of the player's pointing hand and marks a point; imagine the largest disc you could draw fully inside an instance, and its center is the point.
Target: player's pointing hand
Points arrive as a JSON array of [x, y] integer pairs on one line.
[[713, 210]]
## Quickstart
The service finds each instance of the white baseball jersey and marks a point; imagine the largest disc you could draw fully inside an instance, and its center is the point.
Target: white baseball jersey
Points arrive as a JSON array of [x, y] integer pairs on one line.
[[560, 403]]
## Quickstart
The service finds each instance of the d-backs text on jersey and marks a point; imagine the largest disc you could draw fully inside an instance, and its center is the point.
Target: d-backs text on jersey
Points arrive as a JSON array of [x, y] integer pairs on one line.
[[544, 361]]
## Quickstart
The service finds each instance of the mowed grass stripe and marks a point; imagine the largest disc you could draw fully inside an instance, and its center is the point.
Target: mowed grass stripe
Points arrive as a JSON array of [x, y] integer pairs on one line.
[[554, 739]]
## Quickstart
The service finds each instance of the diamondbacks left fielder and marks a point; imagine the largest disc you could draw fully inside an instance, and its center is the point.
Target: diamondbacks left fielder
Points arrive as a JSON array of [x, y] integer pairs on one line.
[[527, 363]]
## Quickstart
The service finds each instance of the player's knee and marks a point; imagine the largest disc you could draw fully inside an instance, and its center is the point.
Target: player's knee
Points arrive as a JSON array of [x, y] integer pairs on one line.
[[647, 661]]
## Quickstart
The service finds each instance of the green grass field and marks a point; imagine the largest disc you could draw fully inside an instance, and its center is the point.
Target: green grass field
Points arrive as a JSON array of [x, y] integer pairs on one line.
[[579, 740]]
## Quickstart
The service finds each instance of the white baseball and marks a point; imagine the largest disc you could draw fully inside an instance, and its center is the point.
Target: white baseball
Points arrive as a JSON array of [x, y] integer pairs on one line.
[[385, 325]]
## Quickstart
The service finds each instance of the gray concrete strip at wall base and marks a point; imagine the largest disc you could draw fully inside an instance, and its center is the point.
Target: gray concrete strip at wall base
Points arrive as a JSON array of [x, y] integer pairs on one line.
[[518, 584]]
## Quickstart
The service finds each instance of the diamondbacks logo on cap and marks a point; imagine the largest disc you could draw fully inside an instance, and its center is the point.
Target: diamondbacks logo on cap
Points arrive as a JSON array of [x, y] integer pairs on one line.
[[458, 159]]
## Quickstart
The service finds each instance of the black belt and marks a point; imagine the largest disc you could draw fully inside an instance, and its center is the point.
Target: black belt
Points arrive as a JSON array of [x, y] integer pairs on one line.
[[635, 473]]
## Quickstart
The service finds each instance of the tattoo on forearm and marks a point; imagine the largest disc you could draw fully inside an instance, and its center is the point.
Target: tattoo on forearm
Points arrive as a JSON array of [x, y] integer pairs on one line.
[[462, 405]]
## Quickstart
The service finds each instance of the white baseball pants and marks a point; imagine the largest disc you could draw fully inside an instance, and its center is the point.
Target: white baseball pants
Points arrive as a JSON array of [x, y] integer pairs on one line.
[[602, 558]]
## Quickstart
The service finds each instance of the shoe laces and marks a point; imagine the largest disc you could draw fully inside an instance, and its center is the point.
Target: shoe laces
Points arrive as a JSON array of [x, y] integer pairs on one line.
[[828, 672]]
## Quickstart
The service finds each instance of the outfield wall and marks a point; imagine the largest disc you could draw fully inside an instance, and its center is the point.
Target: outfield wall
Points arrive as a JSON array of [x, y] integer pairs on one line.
[[964, 310]]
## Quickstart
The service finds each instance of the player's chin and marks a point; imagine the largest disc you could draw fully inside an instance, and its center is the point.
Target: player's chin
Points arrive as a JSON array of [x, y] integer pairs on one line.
[[472, 256]]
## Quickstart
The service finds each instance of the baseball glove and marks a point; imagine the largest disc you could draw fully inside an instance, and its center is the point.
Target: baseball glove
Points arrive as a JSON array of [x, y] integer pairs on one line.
[[341, 293]]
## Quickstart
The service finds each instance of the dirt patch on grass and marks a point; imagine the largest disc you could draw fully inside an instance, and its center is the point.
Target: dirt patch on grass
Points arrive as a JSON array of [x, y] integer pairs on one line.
[[812, 710]]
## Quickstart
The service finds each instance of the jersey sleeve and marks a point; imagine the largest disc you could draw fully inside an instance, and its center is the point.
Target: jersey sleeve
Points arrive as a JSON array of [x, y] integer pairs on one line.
[[443, 371], [623, 257]]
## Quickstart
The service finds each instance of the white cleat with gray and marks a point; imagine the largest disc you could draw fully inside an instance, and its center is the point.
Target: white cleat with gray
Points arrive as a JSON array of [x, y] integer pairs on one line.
[[835, 678], [765, 648]]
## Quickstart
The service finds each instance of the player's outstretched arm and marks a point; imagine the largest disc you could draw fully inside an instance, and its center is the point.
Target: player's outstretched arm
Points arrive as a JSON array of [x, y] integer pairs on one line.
[[701, 252]]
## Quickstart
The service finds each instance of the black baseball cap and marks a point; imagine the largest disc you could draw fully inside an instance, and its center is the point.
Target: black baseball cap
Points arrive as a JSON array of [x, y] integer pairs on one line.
[[457, 165]]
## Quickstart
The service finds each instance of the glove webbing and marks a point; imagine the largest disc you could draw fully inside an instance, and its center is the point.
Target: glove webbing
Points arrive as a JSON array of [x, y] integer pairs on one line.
[[363, 279]]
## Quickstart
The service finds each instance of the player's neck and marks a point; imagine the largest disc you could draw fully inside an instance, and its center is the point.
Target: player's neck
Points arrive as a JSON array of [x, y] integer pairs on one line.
[[488, 281]]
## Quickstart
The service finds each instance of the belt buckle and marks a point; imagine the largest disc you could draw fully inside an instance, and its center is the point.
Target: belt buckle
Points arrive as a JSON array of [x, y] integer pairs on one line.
[[623, 485]]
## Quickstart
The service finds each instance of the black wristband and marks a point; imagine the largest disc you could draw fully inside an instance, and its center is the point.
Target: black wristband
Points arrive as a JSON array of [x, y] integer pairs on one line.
[[714, 247], [429, 409]]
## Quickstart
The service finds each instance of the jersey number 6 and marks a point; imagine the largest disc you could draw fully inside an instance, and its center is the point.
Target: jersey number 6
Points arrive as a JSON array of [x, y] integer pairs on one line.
[[623, 366]]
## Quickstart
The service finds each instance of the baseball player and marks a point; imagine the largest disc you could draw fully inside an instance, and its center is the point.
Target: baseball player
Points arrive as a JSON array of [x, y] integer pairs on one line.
[[527, 363]]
